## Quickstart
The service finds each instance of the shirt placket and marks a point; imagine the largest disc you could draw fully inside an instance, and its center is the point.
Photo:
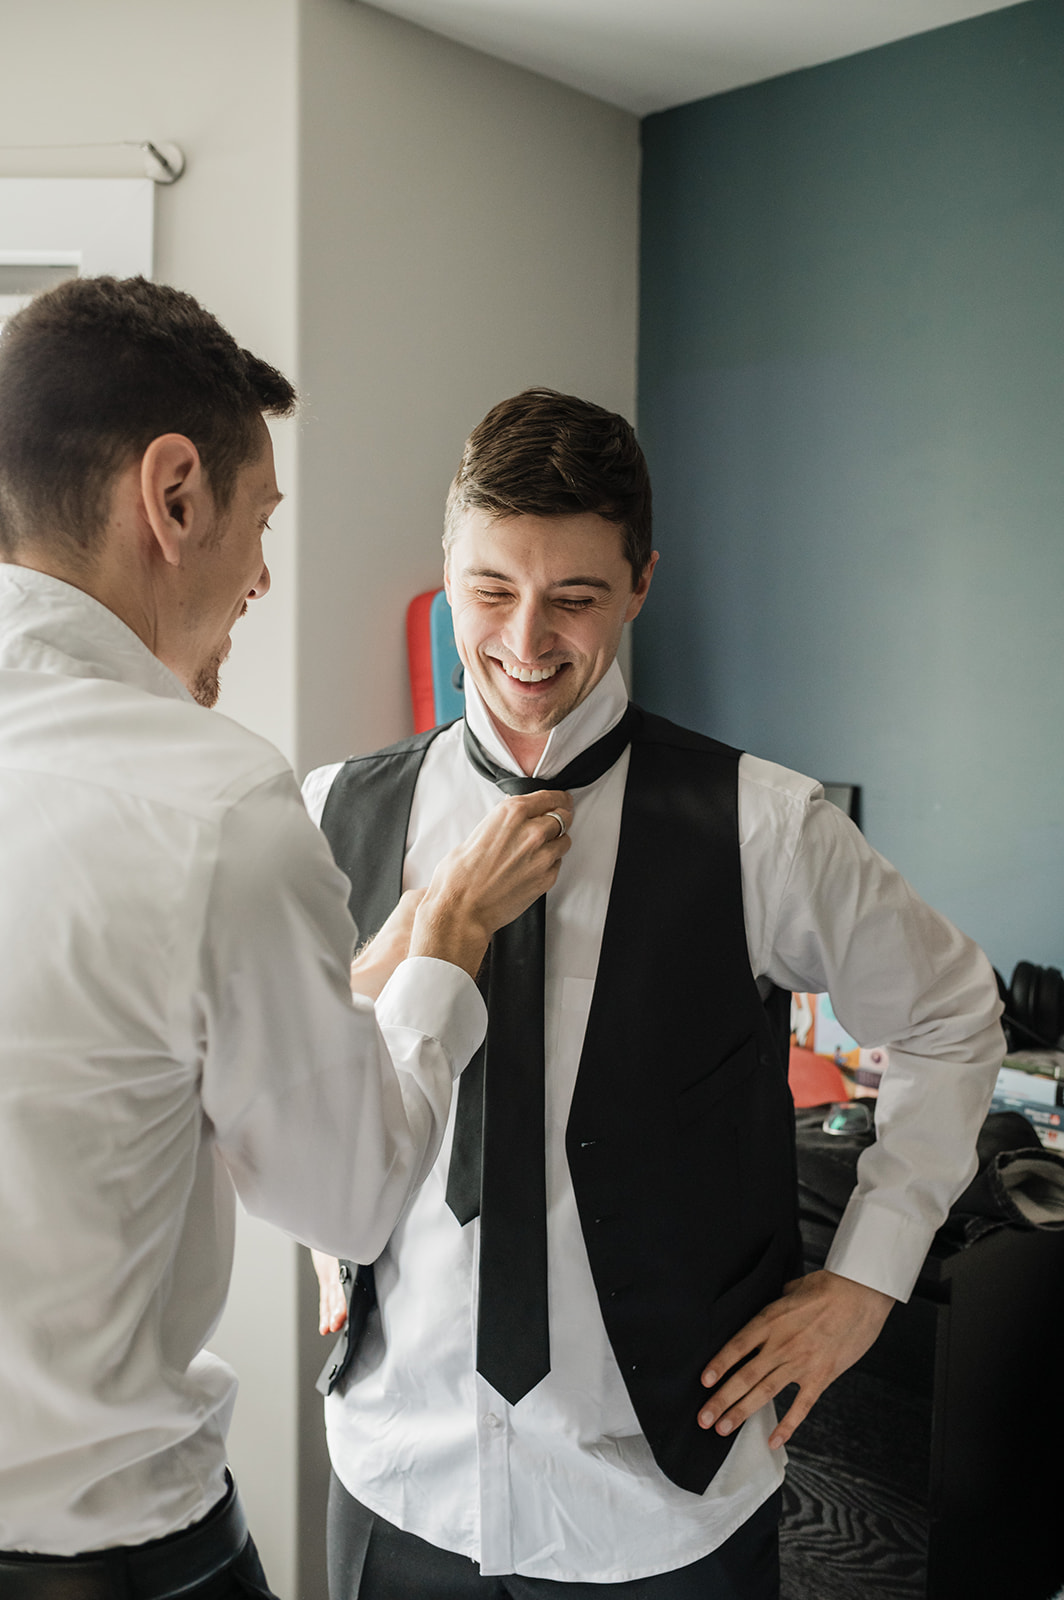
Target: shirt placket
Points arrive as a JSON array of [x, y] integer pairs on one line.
[[493, 1473]]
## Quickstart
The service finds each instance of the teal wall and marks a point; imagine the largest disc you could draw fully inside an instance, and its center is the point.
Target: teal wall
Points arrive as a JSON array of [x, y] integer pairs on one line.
[[851, 387]]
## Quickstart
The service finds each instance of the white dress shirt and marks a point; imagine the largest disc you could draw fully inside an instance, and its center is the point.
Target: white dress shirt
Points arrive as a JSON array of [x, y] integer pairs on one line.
[[174, 949], [563, 1485]]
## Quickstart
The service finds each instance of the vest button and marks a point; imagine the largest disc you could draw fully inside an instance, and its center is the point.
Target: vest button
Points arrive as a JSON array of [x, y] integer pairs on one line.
[[345, 1272], [586, 1144]]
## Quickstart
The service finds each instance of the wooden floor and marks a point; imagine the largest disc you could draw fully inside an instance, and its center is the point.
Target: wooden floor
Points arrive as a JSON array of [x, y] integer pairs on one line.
[[854, 1520], [850, 1541]]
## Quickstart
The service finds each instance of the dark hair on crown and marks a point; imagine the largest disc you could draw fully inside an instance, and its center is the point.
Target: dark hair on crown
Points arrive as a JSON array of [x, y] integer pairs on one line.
[[548, 454], [95, 369]]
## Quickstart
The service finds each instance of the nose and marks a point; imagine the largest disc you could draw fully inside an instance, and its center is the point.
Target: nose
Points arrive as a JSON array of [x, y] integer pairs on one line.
[[528, 634], [261, 585]]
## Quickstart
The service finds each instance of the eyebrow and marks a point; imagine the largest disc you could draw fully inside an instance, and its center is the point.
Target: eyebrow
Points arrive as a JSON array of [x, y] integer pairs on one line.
[[562, 583]]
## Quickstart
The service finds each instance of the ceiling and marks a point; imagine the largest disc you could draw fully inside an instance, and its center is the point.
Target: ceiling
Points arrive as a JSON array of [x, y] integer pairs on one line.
[[646, 55]]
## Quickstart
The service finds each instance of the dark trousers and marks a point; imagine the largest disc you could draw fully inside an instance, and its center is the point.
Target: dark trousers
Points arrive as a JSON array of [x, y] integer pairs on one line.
[[369, 1559]]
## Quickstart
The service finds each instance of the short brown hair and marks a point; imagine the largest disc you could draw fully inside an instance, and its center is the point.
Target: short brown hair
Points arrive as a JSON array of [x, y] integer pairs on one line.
[[95, 369], [548, 454]]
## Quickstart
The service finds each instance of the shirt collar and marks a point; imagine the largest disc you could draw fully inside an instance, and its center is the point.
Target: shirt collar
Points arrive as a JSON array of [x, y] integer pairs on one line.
[[47, 625], [601, 711]]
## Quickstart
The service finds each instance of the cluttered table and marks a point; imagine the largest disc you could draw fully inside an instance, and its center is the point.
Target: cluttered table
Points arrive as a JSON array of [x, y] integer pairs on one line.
[[930, 1470]]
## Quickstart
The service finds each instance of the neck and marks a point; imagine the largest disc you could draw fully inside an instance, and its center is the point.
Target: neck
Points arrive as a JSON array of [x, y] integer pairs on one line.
[[526, 748], [108, 576], [80, 574]]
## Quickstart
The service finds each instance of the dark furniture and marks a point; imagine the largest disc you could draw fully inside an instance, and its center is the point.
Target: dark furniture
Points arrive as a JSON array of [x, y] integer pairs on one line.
[[934, 1469]]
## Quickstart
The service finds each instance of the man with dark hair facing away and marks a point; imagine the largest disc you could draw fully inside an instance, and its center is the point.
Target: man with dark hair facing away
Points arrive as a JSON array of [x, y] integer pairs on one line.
[[573, 1339], [175, 979]]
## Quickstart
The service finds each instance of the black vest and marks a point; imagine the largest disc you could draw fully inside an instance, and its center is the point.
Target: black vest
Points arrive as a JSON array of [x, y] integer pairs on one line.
[[680, 1138]]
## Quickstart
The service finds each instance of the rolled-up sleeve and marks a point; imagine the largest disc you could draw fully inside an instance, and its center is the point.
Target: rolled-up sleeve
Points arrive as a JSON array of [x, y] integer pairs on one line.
[[835, 916], [326, 1115]]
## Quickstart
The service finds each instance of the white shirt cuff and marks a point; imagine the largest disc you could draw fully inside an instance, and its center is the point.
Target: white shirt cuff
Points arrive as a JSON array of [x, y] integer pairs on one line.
[[435, 998], [880, 1248]]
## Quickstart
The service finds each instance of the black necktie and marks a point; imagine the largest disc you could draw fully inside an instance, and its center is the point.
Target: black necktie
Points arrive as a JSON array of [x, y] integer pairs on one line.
[[498, 1161]]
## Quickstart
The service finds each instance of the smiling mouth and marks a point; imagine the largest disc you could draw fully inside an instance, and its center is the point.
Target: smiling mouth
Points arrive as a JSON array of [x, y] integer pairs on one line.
[[531, 674]]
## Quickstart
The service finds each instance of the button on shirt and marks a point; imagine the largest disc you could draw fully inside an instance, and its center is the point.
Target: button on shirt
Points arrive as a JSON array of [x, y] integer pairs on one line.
[[563, 1485], [174, 949]]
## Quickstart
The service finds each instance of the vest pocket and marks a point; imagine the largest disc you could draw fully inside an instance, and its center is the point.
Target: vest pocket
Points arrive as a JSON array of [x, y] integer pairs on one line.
[[698, 1099], [743, 1299]]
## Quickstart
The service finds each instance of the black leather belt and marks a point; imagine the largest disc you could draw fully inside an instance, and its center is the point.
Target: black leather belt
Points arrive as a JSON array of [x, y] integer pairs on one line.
[[156, 1571]]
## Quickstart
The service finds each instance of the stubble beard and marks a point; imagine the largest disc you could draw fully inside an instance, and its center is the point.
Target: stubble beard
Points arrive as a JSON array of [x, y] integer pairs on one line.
[[533, 721], [206, 685]]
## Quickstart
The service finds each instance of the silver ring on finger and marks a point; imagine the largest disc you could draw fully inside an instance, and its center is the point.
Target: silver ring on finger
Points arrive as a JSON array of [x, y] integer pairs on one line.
[[560, 820]]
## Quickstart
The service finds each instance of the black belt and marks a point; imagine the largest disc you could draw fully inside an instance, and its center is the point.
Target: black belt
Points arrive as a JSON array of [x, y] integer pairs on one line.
[[165, 1567]]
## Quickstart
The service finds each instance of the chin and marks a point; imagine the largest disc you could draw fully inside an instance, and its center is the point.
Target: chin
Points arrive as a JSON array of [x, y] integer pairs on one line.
[[525, 718], [532, 715]]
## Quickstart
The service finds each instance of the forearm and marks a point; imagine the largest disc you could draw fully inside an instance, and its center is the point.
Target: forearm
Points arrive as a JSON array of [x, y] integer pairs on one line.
[[335, 1156], [376, 960], [324, 1134], [899, 975], [928, 1117]]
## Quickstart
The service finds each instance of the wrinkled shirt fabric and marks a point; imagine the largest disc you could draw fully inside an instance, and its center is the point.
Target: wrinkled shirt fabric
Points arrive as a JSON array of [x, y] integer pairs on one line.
[[177, 1022]]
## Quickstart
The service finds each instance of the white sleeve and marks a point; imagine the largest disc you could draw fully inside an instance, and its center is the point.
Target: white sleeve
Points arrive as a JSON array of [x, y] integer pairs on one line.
[[324, 1131], [316, 786], [899, 974]]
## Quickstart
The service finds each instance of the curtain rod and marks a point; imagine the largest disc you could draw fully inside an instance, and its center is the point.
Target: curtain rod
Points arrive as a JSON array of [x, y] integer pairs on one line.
[[163, 163]]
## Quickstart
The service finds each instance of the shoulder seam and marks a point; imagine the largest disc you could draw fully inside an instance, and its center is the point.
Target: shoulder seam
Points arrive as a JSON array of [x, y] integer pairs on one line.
[[663, 732], [399, 750]]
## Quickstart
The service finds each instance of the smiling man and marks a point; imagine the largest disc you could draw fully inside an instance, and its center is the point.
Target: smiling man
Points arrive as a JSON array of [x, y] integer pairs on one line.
[[555, 591], [580, 1323], [175, 951]]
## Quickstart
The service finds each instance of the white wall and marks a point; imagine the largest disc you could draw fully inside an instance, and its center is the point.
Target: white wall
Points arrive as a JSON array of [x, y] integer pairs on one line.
[[220, 81], [466, 229]]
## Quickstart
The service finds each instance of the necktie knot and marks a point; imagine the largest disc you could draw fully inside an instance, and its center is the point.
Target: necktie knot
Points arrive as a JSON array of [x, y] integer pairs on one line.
[[512, 783], [590, 765]]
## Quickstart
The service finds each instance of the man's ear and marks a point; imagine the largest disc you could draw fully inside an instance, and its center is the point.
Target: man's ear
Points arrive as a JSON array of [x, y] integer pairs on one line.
[[639, 591], [174, 495]]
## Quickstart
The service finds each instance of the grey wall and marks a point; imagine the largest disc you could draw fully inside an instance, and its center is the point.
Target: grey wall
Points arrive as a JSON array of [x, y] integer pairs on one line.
[[851, 384], [466, 229]]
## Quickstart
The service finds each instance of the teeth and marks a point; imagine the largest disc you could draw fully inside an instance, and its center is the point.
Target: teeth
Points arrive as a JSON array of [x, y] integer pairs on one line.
[[529, 674]]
